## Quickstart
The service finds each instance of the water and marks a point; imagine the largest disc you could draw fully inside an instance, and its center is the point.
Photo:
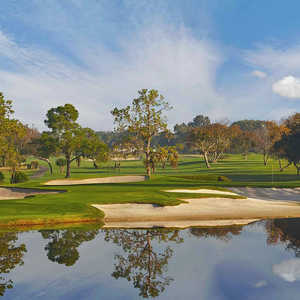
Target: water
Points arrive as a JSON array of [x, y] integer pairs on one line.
[[258, 261]]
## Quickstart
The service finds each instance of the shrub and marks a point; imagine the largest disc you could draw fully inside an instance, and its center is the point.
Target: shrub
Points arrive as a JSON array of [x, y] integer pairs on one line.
[[61, 162], [223, 178], [18, 177], [1, 177]]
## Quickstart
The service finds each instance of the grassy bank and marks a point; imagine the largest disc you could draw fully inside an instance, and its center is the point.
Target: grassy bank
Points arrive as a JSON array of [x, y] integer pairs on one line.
[[74, 204]]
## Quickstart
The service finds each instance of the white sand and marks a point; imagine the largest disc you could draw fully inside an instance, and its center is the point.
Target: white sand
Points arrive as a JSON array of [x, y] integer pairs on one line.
[[204, 209], [114, 179], [201, 191], [19, 193]]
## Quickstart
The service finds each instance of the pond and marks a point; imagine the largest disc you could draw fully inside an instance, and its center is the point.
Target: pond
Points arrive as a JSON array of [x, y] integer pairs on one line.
[[257, 261]]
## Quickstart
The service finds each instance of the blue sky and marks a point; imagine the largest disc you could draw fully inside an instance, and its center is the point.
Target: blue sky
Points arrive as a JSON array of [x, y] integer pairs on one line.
[[230, 59]]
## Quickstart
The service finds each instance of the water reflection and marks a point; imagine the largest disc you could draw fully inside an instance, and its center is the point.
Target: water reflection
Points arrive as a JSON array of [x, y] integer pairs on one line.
[[63, 244], [221, 263], [10, 256], [285, 231], [142, 262], [222, 233]]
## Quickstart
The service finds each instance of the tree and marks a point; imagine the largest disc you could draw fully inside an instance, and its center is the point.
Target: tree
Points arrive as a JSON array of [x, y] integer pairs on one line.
[[93, 148], [12, 133], [211, 141], [266, 137], [199, 121], [289, 144], [142, 263], [249, 125], [71, 139], [242, 141], [144, 118], [11, 256], [44, 147]]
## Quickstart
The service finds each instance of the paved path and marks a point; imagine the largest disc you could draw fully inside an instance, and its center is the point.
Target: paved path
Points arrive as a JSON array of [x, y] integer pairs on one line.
[[40, 172], [283, 194]]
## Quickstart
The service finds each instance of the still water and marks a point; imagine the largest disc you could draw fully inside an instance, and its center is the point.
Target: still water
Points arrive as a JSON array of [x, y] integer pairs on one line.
[[258, 261]]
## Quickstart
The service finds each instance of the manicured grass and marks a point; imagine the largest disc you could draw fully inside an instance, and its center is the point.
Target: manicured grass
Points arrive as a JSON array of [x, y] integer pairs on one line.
[[74, 204]]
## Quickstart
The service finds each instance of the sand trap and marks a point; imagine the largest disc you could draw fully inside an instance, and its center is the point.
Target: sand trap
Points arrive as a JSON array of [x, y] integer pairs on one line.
[[196, 211], [114, 179], [19, 193], [202, 191]]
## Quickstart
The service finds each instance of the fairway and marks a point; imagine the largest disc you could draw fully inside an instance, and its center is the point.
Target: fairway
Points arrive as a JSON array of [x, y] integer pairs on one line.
[[75, 204]]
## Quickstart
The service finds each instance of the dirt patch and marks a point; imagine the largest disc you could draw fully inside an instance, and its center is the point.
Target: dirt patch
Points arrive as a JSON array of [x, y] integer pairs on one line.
[[114, 179], [195, 211], [21, 193]]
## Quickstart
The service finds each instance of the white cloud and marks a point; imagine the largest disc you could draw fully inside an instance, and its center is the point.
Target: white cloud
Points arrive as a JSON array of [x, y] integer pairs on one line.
[[261, 283], [259, 74], [288, 87], [288, 270], [181, 67], [276, 60]]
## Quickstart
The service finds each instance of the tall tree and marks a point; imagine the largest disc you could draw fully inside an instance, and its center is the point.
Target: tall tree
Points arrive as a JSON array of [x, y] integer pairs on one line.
[[199, 121], [144, 118], [289, 144], [72, 140], [266, 137]]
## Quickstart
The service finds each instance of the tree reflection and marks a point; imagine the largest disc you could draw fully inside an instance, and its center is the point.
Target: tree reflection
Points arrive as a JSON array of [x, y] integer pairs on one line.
[[63, 244], [10, 257], [286, 231], [144, 264], [221, 233]]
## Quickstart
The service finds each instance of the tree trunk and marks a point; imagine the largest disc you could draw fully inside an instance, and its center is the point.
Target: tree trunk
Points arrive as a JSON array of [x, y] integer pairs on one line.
[[68, 172], [48, 162], [78, 160], [280, 165], [265, 159], [206, 160], [148, 167], [298, 169]]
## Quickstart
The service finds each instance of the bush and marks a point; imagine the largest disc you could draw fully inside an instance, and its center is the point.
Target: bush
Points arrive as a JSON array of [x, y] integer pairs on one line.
[[1, 177], [223, 178], [18, 177]]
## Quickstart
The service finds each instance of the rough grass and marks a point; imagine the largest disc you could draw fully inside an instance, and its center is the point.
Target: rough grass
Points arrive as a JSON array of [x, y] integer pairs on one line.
[[74, 205]]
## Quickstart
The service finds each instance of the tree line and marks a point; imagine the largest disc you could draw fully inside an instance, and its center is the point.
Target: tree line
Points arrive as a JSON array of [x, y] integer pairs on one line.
[[141, 129]]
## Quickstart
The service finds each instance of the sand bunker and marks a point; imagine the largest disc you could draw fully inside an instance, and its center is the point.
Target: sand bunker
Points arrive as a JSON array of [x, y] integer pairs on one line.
[[202, 191], [114, 179], [20, 193], [196, 211]]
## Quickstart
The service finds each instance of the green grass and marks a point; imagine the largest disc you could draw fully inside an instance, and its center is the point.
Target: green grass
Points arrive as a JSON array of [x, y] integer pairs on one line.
[[75, 204]]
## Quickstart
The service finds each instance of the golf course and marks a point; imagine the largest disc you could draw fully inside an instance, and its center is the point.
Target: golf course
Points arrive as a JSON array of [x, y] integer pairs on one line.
[[67, 203]]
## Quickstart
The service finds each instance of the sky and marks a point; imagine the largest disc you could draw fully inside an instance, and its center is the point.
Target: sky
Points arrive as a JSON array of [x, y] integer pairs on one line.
[[228, 59]]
